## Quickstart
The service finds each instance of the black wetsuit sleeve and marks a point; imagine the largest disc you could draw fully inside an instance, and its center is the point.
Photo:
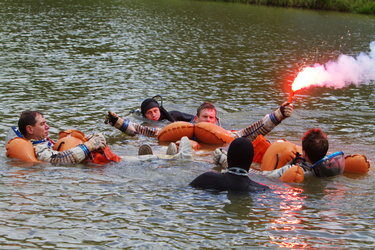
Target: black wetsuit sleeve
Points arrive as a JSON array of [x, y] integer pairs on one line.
[[180, 116]]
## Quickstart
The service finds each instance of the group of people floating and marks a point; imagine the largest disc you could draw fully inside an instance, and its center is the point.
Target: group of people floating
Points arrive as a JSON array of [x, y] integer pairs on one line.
[[33, 127]]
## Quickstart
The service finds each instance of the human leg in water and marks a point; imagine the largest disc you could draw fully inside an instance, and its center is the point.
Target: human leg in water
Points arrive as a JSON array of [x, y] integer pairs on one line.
[[185, 151], [145, 149], [172, 149]]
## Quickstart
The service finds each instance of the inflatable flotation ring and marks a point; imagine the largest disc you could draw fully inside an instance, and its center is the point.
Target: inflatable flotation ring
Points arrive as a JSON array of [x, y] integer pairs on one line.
[[278, 154], [357, 164], [260, 144], [295, 174], [69, 139], [21, 149], [175, 131], [210, 133], [72, 138], [204, 132]]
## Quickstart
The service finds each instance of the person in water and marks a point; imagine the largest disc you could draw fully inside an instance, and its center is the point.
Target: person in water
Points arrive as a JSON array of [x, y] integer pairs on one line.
[[240, 157], [207, 113], [33, 126], [152, 110], [313, 160]]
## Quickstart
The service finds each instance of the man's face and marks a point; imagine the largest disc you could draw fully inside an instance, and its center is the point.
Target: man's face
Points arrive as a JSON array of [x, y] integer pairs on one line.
[[153, 114], [207, 115], [40, 130]]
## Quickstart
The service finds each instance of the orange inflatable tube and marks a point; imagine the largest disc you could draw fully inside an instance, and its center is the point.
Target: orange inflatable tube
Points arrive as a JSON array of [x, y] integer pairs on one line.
[[260, 144], [278, 154], [204, 132], [294, 174], [74, 133], [69, 139], [66, 143], [21, 149], [175, 131], [357, 164], [210, 133]]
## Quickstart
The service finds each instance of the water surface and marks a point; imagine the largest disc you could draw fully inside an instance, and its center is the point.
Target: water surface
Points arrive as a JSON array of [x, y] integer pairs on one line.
[[74, 60]]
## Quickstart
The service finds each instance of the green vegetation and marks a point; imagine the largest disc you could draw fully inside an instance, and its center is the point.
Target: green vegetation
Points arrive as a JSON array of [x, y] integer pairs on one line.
[[353, 6]]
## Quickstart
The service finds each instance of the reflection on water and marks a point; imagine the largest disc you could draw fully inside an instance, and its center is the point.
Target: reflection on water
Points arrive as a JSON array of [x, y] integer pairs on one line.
[[290, 208], [75, 60]]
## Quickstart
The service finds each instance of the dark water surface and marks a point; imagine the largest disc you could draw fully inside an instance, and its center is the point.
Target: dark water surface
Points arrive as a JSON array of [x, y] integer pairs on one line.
[[74, 60]]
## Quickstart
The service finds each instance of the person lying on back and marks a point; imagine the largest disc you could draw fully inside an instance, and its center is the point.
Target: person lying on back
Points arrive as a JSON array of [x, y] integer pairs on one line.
[[240, 157], [313, 160], [34, 127], [314, 149], [206, 112]]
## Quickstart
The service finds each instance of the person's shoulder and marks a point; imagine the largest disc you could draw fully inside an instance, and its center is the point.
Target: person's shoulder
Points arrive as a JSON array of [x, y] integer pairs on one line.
[[206, 178], [210, 174], [181, 116]]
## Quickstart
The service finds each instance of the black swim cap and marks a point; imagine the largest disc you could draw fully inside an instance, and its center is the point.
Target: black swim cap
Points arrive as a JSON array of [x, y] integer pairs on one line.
[[148, 104], [240, 153]]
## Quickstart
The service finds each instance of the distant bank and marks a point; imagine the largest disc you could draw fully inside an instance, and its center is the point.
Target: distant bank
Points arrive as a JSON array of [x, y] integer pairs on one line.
[[352, 6]]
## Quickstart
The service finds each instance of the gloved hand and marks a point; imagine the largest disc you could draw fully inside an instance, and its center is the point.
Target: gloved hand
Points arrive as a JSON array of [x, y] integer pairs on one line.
[[124, 125], [111, 118], [220, 158], [95, 142], [284, 111]]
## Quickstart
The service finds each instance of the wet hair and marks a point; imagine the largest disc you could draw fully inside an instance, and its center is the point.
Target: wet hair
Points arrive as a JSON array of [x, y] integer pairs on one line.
[[240, 153], [315, 144], [27, 117], [205, 105]]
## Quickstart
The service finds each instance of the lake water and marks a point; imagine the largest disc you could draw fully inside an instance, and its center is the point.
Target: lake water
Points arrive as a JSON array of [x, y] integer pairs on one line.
[[74, 60]]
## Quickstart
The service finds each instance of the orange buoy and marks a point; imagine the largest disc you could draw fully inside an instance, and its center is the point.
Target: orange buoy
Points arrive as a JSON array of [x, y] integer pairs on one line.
[[293, 174], [175, 131], [21, 149], [278, 154], [210, 133], [357, 164]]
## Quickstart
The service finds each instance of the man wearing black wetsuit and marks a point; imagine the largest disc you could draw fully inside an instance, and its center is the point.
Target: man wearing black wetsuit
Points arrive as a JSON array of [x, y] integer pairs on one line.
[[240, 157], [151, 110]]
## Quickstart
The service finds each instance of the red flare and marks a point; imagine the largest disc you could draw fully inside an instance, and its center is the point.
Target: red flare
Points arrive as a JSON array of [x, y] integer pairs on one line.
[[291, 95]]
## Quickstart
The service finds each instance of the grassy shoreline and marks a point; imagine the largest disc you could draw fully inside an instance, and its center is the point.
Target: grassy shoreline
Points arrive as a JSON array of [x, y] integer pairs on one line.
[[352, 6]]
